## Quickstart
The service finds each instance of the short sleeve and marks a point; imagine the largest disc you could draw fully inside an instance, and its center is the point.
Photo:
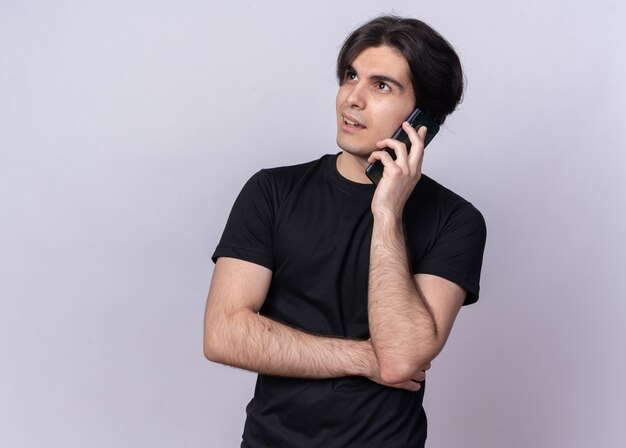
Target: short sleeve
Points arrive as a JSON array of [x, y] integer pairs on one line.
[[457, 253], [248, 234]]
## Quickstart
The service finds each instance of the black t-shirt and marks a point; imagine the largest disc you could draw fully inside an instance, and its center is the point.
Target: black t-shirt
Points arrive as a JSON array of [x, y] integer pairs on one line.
[[312, 228]]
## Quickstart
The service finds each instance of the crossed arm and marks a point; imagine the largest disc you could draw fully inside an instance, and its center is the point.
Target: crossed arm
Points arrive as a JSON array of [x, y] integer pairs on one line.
[[410, 316], [407, 329], [236, 335]]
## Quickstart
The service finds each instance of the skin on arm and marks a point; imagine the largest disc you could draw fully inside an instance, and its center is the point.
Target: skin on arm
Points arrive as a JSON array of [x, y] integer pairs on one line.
[[236, 335], [410, 316]]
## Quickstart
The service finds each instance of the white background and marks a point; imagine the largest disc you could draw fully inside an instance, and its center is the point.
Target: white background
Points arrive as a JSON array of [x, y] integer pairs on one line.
[[127, 129]]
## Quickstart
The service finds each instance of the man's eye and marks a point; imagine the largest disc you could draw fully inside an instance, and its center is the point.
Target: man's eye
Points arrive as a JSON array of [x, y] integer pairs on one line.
[[382, 86], [351, 76]]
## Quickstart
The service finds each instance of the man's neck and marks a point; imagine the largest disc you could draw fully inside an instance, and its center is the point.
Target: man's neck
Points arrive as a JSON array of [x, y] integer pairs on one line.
[[352, 168]]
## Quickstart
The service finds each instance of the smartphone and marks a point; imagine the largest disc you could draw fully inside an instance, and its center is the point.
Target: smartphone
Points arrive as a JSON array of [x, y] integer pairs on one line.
[[417, 119]]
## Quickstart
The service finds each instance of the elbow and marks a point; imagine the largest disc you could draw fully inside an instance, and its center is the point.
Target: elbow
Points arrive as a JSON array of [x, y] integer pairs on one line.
[[210, 349], [225, 335], [393, 373], [395, 370], [213, 349], [215, 324], [219, 336]]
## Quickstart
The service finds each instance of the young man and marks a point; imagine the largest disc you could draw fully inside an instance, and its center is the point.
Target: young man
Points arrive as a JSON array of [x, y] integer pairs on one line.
[[338, 292]]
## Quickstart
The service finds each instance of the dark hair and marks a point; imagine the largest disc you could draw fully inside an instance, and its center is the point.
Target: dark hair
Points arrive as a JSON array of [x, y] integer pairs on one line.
[[435, 68]]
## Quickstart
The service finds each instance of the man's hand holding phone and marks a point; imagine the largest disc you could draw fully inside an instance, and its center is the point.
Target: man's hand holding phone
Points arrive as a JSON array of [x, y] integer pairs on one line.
[[400, 175]]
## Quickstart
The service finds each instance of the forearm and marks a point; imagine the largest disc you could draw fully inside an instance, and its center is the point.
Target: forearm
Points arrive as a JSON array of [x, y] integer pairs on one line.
[[403, 330], [253, 342]]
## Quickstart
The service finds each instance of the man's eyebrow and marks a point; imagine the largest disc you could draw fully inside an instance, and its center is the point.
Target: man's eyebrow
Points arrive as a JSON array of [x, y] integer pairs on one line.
[[387, 79], [382, 78]]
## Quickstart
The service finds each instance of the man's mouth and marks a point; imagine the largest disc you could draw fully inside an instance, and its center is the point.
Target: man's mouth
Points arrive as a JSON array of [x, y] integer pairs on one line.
[[352, 123]]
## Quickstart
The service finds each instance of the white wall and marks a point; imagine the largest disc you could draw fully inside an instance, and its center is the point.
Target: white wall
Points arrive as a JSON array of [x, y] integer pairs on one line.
[[128, 127]]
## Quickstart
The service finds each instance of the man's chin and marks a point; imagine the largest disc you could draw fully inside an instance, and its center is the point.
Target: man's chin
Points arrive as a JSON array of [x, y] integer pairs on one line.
[[355, 151], [361, 154]]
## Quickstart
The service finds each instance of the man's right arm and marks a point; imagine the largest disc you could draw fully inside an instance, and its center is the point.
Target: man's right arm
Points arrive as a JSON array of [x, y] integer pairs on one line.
[[236, 335]]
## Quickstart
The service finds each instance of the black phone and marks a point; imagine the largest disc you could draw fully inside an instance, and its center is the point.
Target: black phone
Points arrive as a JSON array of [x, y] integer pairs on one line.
[[417, 119]]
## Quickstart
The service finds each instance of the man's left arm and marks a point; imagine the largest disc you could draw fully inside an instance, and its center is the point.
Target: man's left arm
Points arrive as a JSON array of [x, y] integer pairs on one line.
[[410, 316]]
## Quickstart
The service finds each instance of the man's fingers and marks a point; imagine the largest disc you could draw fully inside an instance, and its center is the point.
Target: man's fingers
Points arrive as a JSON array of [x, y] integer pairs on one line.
[[418, 139], [383, 156], [407, 162], [398, 148], [416, 136], [389, 164]]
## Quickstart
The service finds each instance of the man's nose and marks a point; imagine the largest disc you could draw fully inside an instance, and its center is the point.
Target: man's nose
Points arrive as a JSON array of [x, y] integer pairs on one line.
[[356, 97]]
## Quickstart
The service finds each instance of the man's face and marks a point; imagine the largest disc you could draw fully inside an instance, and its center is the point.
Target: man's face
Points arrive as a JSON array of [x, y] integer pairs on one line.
[[376, 96]]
